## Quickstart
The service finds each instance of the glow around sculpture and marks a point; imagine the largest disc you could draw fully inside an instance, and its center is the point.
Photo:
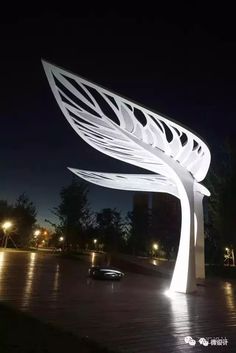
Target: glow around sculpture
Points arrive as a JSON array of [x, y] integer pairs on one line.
[[122, 129]]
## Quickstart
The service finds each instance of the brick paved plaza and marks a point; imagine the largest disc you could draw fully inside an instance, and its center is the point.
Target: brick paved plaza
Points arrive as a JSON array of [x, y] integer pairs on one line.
[[133, 315]]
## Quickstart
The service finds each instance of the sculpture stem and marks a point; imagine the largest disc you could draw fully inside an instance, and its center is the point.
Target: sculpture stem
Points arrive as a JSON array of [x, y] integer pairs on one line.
[[199, 235], [184, 278]]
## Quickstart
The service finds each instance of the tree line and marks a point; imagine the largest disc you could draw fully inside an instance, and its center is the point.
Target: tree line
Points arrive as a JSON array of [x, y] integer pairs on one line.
[[82, 228]]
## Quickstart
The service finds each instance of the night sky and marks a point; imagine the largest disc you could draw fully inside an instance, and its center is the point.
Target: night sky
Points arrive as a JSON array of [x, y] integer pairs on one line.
[[183, 69]]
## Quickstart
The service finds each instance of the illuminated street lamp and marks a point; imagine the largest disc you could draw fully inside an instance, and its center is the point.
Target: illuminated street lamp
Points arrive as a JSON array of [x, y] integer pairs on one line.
[[229, 256], [37, 233], [155, 248], [95, 243], [61, 240], [6, 226]]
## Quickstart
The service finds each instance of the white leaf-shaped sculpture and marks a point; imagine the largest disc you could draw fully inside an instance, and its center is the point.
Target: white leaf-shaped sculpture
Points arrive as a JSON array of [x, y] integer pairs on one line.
[[131, 182], [155, 183], [134, 182], [126, 131]]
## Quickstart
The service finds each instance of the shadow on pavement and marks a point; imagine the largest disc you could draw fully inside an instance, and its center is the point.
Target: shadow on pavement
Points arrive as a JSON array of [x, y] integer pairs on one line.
[[20, 333]]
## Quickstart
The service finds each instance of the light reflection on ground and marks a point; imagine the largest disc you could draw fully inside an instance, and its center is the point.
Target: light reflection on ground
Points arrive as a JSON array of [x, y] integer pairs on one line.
[[133, 314]]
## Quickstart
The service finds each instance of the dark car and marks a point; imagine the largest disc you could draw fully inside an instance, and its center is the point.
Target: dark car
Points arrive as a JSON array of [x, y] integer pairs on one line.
[[99, 272]]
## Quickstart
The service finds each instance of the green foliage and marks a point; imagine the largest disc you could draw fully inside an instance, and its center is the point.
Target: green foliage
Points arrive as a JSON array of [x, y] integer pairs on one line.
[[73, 213]]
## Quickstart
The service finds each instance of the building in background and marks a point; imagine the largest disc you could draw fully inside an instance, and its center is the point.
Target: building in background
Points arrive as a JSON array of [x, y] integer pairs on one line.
[[156, 218]]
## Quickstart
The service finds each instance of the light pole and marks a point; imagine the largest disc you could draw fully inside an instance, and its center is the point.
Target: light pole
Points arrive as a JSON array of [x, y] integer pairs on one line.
[[6, 226]]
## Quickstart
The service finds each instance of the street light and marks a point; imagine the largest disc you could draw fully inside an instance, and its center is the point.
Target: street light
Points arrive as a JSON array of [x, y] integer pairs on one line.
[[37, 233], [6, 226], [155, 248], [61, 240], [95, 243], [229, 256]]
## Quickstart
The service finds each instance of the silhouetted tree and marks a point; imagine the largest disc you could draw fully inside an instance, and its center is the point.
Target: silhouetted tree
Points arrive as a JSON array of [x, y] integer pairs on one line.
[[212, 218], [228, 194], [220, 220], [24, 218], [139, 224], [5, 210], [74, 214], [110, 229]]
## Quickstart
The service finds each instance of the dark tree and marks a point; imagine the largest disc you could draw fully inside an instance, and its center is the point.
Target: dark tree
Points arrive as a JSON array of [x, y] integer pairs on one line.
[[166, 222], [6, 210], [73, 213], [139, 220], [212, 218], [24, 218], [220, 213], [228, 194], [110, 229]]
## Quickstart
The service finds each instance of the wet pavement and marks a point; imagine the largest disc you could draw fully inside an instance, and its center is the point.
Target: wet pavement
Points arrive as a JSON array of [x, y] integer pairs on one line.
[[133, 315]]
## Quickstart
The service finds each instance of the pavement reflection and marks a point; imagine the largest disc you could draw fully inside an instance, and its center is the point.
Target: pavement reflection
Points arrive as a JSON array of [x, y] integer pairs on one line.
[[2, 256], [229, 296], [29, 280], [132, 315]]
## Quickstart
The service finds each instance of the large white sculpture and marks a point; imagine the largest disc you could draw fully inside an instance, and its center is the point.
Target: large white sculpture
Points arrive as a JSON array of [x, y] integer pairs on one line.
[[131, 133]]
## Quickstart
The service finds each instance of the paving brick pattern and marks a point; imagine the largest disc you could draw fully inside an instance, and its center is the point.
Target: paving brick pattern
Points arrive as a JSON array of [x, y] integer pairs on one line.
[[133, 315]]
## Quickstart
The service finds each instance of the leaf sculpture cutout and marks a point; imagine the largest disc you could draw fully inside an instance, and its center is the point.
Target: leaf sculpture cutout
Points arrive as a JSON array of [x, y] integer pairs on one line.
[[134, 182], [133, 134], [109, 123], [131, 182]]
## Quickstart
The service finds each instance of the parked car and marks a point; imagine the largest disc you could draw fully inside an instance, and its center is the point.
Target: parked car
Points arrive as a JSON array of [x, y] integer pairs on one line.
[[99, 272]]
